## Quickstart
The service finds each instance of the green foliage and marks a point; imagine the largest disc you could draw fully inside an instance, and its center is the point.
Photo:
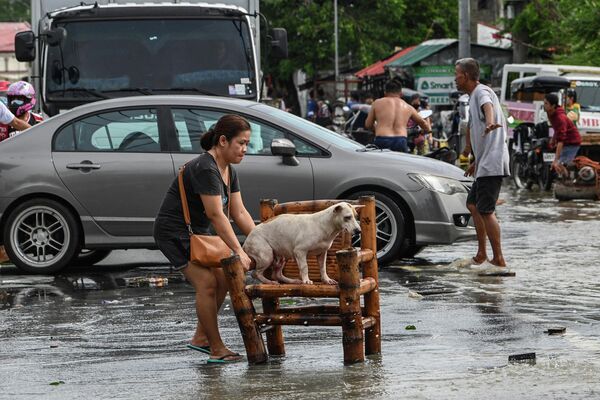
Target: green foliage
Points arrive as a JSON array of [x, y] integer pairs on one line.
[[367, 30], [15, 10], [568, 28]]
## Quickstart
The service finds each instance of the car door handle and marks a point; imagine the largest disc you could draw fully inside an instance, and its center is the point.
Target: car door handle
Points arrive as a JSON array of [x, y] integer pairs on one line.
[[84, 165]]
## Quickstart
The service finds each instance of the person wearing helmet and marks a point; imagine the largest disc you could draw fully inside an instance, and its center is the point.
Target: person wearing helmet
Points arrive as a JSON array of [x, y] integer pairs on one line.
[[572, 107], [17, 117], [21, 100], [8, 120]]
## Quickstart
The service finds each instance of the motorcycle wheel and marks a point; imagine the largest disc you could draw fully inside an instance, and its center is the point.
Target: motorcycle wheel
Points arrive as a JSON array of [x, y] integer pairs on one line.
[[518, 169], [545, 178]]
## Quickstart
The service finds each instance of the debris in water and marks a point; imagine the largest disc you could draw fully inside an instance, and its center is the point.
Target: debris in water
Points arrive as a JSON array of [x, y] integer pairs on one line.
[[153, 281], [56, 383], [414, 295], [557, 330], [410, 328], [528, 358]]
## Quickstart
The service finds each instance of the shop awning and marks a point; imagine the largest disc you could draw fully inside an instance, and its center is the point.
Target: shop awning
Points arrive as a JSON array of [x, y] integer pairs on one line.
[[378, 67], [421, 52]]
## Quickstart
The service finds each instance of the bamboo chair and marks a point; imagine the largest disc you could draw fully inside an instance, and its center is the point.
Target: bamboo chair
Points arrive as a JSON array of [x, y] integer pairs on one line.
[[355, 269]]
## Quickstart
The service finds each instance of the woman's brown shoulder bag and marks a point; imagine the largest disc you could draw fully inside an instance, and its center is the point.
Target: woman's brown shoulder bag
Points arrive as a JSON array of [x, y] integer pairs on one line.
[[205, 250]]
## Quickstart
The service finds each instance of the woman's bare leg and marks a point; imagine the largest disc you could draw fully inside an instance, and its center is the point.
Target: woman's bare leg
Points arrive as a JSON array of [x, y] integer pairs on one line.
[[200, 338], [206, 283]]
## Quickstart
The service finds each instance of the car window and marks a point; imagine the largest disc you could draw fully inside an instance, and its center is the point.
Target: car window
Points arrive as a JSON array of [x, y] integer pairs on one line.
[[302, 125], [122, 131], [191, 124]]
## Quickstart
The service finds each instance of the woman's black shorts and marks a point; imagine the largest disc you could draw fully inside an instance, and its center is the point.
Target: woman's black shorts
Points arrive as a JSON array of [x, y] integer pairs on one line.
[[176, 249], [484, 193]]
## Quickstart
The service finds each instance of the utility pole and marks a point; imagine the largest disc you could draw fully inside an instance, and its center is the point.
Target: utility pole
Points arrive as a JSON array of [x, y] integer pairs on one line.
[[464, 29], [335, 36]]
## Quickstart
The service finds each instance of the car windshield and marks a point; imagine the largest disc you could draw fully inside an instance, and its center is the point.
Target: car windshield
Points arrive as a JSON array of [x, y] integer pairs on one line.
[[109, 57], [588, 95], [303, 125]]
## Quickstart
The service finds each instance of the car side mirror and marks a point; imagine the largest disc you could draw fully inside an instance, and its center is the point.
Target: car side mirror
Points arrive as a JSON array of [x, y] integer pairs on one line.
[[279, 43], [25, 46], [286, 149]]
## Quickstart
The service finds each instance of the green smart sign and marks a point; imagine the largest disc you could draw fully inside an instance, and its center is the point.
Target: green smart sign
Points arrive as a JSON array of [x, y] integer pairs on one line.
[[437, 82]]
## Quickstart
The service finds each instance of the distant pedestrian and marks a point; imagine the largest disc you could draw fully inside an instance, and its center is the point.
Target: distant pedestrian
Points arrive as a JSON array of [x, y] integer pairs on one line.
[[566, 136], [572, 107], [389, 118], [487, 132], [311, 106]]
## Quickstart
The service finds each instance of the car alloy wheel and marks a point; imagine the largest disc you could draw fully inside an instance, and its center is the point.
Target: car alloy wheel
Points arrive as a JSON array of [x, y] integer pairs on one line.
[[41, 236], [391, 229]]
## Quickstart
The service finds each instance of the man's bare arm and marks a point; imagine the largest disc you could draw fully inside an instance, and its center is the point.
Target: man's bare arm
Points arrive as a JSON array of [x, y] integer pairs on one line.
[[490, 118], [370, 122], [467, 150], [19, 124], [420, 121]]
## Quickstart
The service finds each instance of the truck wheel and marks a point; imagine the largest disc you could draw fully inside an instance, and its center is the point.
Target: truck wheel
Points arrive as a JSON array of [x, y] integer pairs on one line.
[[391, 227], [41, 236]]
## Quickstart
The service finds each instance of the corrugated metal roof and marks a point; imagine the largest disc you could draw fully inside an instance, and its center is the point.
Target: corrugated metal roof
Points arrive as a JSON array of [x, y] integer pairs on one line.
[[378, 67], [421, 52], [7, 34]]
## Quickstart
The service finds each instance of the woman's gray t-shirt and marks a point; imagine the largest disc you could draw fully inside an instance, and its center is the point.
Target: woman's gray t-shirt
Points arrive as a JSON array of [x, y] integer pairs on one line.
[[201, 176], [491, 151]]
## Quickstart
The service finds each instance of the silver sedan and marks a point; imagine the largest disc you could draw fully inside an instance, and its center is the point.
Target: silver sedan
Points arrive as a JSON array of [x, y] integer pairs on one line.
[[92, 179]]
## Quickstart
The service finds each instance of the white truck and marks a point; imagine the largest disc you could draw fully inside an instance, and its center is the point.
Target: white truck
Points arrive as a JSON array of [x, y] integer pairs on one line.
[[110, 48], [527, 108]]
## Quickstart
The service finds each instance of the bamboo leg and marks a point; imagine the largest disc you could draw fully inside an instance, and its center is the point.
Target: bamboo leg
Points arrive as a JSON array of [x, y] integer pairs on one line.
[[368, 227], [274, 336], [352, 327], [244, 310]]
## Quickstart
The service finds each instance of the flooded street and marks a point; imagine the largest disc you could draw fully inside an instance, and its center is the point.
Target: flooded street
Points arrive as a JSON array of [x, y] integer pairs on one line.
[[85, 333]]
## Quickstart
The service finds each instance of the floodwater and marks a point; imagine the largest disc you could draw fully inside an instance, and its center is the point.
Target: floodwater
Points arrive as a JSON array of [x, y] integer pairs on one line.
[[85, 334]]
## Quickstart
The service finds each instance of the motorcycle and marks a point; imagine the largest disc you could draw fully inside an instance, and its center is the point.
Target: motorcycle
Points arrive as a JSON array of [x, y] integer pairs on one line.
[[582, 181], [532, 156]]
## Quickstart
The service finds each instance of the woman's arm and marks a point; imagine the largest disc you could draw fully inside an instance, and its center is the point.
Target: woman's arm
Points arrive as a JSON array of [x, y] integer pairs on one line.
[[214, 211], [240, 215]]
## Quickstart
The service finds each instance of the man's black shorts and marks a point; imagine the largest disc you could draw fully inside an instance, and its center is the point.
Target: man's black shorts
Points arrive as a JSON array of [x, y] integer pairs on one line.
[[484, 193]]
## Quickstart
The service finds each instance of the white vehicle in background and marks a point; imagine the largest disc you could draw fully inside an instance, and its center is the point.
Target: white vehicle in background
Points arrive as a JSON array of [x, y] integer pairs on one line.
[[82, 53], [525, 107]]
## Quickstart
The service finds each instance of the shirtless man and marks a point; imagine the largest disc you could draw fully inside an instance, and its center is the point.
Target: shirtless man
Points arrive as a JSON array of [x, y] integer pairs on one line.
[[389, 117]]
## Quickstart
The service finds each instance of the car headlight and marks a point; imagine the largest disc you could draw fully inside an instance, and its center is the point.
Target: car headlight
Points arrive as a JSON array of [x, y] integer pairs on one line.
[[439, 184]]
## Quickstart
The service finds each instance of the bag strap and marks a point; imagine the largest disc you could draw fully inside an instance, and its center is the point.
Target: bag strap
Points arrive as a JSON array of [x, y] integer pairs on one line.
[[184, 203]]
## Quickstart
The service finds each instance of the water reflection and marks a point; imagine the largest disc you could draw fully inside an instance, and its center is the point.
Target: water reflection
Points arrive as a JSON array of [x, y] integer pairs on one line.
[[117, 341]]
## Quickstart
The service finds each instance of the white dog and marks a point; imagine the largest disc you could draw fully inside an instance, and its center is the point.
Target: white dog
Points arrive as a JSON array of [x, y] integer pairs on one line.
[[296, 236]]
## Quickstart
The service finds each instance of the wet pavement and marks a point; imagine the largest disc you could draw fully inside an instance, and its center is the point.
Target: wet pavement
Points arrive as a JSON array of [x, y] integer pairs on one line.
[[86, 333]]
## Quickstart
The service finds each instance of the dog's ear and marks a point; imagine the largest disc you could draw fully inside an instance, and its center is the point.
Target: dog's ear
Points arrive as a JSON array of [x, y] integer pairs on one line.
[[358, 206], [338, 208]]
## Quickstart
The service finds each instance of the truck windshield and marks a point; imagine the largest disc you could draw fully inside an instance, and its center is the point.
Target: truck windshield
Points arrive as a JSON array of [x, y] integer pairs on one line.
[[588, 95], [117, 57]]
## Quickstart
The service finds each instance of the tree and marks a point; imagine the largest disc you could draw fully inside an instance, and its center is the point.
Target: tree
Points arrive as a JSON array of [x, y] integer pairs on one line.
[[367, 30], [15, 10], [565, 30]]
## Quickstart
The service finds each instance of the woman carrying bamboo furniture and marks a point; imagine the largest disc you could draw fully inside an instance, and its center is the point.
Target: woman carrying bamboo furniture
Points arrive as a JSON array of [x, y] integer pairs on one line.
[[208, 180]]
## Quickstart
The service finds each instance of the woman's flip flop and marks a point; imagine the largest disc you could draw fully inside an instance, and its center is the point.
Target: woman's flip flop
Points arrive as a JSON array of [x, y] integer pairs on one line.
[[201, 349], [224, 360]]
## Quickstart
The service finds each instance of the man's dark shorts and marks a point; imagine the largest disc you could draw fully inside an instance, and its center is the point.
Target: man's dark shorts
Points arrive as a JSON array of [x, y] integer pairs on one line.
[[394, 143], [484, 193]]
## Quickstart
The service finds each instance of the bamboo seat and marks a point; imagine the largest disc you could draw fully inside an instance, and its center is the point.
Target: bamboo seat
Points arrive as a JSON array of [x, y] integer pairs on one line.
[[354, 268]]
